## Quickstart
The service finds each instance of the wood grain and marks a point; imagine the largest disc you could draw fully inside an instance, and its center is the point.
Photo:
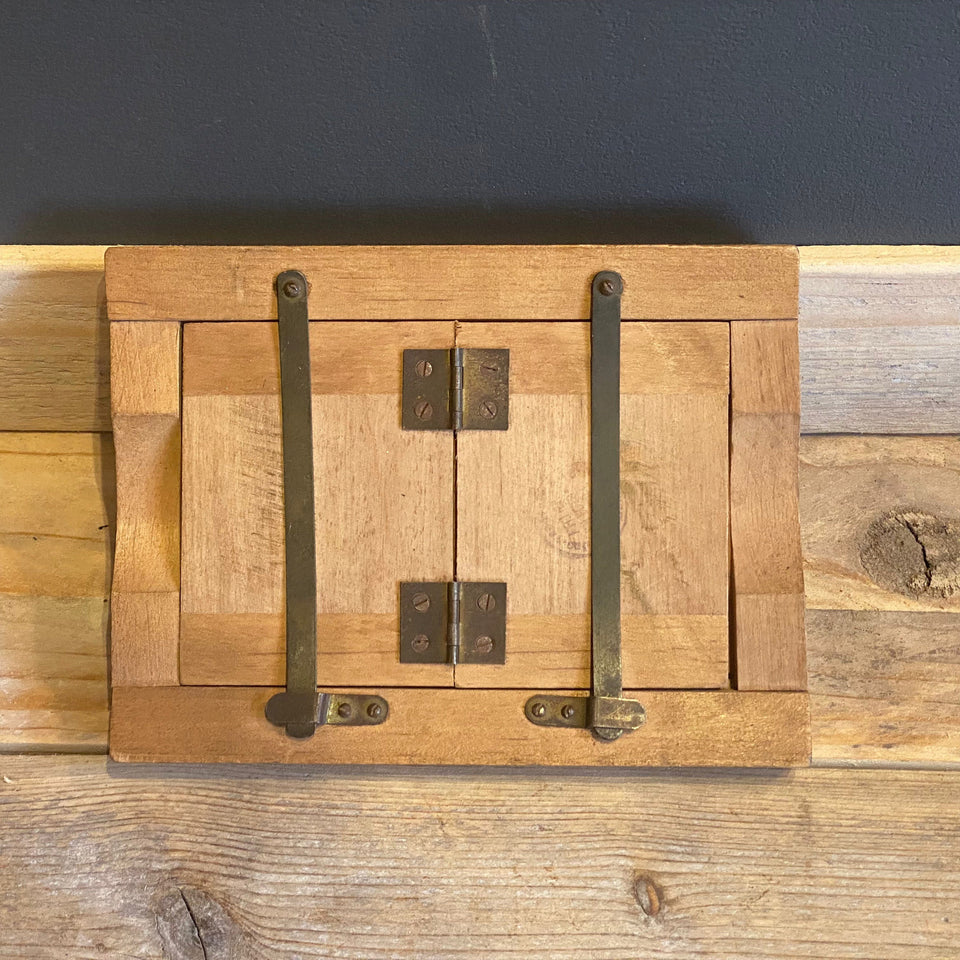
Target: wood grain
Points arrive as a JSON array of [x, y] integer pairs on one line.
[[766, 558], [239, 865], [881, 522], [528, 524], [453, 282], [54, 354], [384, 501], [880, 339], [57, 501], [885, 686], [683, 728]]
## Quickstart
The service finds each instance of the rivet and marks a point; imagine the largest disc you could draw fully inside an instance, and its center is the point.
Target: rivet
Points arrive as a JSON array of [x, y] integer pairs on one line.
[[421, 602], [538, 709], [424, 368], [567, 711], [344, 711], [420, 642], [423, 410]]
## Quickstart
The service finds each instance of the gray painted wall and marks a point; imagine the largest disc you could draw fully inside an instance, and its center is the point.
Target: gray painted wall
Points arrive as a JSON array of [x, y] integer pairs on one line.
[[830, 121]]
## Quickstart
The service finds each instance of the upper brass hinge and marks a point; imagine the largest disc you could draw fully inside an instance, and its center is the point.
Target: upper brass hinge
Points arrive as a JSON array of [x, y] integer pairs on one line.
[[457, 389], [458, 622]]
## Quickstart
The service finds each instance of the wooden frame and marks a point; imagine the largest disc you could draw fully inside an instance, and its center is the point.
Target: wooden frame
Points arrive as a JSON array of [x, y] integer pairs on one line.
[[151, 291]]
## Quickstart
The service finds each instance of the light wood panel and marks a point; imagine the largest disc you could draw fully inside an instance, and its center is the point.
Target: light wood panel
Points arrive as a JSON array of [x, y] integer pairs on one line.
[[880, 339], [365, 865], [446, 726], [764, 514], [453, 282], [881, 522], [384, 501], [54, 348], [57, 500], [523, 509], [145, 399]]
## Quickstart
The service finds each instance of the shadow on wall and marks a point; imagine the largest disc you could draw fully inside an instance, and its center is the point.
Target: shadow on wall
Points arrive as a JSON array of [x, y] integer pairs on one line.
[[228, 224]]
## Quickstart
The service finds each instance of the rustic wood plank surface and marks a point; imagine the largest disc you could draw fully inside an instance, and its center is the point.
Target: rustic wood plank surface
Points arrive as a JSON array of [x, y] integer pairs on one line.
[[263, 864], [879, 339]]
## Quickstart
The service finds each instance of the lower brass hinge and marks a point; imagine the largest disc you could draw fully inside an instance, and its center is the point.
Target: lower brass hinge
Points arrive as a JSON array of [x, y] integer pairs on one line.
[[453, 622]]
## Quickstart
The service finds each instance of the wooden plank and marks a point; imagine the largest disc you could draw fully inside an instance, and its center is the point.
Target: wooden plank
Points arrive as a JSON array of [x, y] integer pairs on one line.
[[523, 505], [54, 346], [57, 501], [384, 503], [506, 282], [683, 728], [885, 686], [53, 673], [881, 524], [880, 339], [816, 864], [764, 516]]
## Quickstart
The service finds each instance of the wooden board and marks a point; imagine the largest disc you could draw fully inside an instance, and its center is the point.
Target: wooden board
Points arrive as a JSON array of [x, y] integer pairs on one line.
[[766, 559], [453, 282], [454, 727], [523, 507], [54, 344], [881, 522], [880, 339], [384, 501], [253, 864]]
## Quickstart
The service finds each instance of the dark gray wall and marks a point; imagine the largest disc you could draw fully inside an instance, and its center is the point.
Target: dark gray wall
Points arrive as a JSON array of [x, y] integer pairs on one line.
[[773, 121]]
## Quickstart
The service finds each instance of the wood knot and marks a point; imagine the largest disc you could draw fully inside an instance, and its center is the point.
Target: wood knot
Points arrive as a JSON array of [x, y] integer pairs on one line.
[[648, 895], [194, 926], [913, 553]]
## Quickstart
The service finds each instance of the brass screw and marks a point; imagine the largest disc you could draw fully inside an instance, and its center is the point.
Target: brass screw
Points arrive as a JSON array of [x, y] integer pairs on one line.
[[483, 645], [486, 601], [423, 410], [291, 289], [538, 709], [424, 368], [606, 287], [488, 409], [375, 711], [421, 602], [420, 643], [566, 711], [344, 711]]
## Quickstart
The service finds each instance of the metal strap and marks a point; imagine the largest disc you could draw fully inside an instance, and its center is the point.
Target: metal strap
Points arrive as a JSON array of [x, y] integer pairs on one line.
[[606, 712], [301, 707]]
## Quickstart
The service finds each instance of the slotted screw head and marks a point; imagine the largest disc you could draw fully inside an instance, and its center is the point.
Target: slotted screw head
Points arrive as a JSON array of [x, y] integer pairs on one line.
[[420, 643], [424, 368], [375, 711], [486, 601], [292, 289], [423, 410], [483, 645], [488, 409], [566, 711], [606, 287], [421, 602], [344, 711], [538, 709]]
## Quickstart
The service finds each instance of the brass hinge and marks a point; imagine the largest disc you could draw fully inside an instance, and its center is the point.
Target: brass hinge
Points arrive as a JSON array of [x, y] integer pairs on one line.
[[458, 389], [453, 622]]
